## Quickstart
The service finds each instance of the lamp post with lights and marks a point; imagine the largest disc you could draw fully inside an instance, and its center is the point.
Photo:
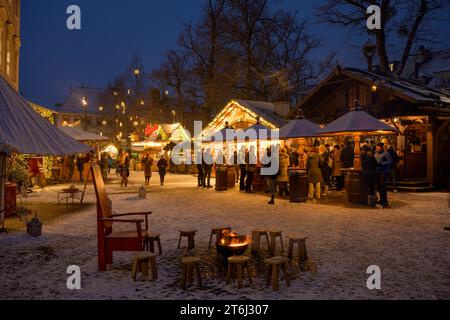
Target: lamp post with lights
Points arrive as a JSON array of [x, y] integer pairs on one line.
[[84, 102]]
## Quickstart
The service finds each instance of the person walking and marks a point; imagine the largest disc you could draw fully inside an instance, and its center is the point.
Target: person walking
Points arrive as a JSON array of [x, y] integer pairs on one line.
[[162, 169], [336, 171], [314, 174], [80, 167], [251, 161], [207, 168], [242, 156], [325, 169], [71, 166], [199, 165], [125, 171], [384, 166], [283, 177], [369, 167], [271, 180], [104, 166], [395, 160], [147, 163]]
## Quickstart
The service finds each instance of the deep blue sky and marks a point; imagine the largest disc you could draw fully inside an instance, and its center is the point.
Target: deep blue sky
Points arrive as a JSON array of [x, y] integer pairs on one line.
[[53, 58]]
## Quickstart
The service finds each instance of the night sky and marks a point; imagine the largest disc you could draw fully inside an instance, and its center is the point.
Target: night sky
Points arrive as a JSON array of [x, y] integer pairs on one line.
[[53, 58]]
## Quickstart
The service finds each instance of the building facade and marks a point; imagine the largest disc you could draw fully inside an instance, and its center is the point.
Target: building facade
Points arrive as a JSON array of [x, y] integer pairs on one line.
[[10, 41]]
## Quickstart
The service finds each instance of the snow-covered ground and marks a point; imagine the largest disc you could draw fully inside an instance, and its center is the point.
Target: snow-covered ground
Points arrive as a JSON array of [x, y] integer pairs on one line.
[[407, 242]]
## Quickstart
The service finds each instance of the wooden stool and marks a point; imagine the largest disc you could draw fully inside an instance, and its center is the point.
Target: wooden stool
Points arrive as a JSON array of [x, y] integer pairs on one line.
[[191, 264], [217, 232], [142, 262], [273, 240], [149, 242], [300, 240], [256, 240], [273, 273], [191, 238], [240, 263]]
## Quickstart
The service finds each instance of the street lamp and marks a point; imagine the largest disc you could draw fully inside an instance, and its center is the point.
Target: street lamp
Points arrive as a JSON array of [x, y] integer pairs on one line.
[[84, 102]]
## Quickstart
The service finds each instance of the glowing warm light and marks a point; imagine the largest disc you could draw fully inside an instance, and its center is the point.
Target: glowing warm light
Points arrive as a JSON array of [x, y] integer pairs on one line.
[[137, 72], [374, 88], [100, 108], [84, 101]]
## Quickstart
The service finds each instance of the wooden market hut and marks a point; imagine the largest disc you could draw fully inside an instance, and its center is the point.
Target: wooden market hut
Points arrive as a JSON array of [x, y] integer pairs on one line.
[[242, 114], [421, 114]]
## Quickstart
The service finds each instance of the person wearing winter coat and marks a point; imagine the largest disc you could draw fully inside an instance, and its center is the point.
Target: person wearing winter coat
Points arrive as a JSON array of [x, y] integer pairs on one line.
[[369, 167], [337, 168], [250, 160], [283, 177], [314, 174], [347, 156], [384, 160], [395, 160], [326, 169], [271, 180], [162, 169], [147, 163], [125, 171], [199, 164]]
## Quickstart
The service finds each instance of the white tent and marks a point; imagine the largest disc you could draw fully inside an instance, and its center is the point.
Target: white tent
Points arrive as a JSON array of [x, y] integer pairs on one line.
[[81, 135], [24, 131]]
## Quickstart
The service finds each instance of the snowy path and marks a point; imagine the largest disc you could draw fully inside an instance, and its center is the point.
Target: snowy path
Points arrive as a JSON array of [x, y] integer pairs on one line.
[[408, 243]]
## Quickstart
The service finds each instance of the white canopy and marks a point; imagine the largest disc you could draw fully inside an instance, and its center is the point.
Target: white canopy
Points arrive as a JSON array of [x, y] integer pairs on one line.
[[22, 130], [81, 135]]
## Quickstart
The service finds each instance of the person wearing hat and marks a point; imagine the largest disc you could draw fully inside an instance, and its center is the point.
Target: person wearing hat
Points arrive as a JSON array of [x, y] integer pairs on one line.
[[384, 160]]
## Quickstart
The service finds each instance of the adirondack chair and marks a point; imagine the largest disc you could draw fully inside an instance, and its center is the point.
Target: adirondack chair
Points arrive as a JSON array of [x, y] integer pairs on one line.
[[110, 240]]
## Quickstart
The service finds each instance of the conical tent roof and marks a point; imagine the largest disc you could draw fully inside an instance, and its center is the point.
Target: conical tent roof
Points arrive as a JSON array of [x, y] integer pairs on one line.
[[24, 131], [299, 128], [262, 132], [355, 121]]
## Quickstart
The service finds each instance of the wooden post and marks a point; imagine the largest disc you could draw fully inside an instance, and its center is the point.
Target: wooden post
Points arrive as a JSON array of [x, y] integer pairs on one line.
[[357, 160], [2, 189], [431, 159]]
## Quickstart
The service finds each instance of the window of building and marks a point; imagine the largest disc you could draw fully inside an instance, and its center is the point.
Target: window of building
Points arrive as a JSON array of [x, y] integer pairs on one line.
[[445, 81]]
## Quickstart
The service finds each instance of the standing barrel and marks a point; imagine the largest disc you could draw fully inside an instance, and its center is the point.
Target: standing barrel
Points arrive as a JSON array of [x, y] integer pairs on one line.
[[356, 188], [298, 185], [221, 178], [231, 177]]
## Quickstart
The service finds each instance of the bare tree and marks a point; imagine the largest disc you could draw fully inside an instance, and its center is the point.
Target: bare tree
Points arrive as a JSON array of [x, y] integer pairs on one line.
[[174, 73], [403, 23]]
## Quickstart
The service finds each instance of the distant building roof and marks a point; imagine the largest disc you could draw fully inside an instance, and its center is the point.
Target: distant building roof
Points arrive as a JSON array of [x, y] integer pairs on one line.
[[428, 66], [73, 102]]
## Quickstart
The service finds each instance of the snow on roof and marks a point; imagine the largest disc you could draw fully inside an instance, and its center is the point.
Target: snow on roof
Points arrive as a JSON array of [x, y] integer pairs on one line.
[[263, 109], [439, 62], [73, 102], [413, 89]]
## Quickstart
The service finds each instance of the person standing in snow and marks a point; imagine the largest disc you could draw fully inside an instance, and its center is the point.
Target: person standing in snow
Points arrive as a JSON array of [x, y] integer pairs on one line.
[[384, 166]]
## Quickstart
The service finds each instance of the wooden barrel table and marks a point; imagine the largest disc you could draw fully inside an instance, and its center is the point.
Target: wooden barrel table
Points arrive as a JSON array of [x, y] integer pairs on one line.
[[258, 181], [299, 185], [231, 177], [355, 186]]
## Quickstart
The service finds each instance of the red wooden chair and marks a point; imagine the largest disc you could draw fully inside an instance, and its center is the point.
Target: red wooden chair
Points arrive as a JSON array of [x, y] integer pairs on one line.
[[110, 240]]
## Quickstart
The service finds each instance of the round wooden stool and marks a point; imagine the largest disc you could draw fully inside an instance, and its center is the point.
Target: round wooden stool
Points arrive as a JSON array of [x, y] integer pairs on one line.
[[190, 235], [256, 240], [240, 264], [150, 240], [300, 240], [273, 240], [143, 261], [191, 264], [217, 232], [273, 273]]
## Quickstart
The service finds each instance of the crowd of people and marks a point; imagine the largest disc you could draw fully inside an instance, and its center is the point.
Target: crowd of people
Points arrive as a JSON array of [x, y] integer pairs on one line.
[[323, 164]]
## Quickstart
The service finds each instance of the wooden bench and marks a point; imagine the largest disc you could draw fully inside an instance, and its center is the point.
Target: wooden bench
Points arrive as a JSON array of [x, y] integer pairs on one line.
[[110, 240]]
